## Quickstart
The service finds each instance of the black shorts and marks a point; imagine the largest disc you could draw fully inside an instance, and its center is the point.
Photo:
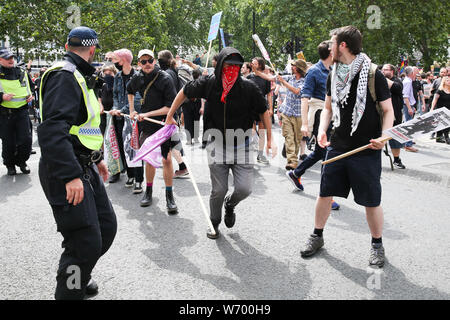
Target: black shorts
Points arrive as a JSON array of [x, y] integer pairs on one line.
[[359, 172], [172, 143]]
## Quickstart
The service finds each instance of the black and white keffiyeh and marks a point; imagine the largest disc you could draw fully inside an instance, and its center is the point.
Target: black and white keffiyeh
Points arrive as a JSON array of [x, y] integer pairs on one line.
[[341, 80]]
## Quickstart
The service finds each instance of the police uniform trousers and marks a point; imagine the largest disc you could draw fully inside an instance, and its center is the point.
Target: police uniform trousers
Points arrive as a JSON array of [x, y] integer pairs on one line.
[[15, 132], [88, 228]]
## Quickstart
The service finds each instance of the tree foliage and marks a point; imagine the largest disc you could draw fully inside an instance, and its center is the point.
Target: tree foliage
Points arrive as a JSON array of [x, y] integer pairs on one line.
[[418, 29]]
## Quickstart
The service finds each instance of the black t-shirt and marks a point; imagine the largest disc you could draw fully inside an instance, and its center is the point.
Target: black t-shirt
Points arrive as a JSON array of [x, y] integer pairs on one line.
[[262, 84], [161, 94], [369, 127], [417, 86], [444, 99], [125, 79]]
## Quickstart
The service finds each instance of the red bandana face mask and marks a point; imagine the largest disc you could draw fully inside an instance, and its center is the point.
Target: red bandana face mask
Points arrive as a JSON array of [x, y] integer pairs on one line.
[[229, 76]]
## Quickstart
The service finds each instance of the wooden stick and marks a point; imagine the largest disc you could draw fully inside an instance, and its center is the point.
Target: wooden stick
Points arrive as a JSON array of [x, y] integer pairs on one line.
[[207, 57], [145, 118], [194, 183], [345, 155]]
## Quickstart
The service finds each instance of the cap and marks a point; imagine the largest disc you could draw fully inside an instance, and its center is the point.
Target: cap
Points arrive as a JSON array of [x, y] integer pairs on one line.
[[6, 54], [82, 37], [234, 58], [300, 64], [147, 52]]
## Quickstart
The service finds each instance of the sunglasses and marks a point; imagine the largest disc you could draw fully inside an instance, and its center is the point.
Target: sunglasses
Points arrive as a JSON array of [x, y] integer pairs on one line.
[[144, 62]]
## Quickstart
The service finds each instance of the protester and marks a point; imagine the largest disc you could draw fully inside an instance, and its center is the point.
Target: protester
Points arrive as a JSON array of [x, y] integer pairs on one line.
[[15, 125], [70, 140], [246, 69], [442, 100], [231, 126], [259, 65], [168, 64], [409, 102], [157, 91], [291, 117], [347, 90], [191, 111], [312, 102], [396, 88], [106, 97]]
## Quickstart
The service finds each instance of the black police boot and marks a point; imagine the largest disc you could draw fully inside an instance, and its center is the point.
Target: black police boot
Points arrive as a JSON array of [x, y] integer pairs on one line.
[[11, 171], [147, 199], [24, 168], [92, 288], [171, 205]]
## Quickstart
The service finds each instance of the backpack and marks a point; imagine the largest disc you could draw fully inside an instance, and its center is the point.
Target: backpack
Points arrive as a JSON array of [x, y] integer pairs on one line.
[[373, 94], [184, 76]]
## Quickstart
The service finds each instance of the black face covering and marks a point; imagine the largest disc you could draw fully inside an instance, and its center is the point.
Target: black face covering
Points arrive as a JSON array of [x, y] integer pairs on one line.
[[118, 66], [109, 80]]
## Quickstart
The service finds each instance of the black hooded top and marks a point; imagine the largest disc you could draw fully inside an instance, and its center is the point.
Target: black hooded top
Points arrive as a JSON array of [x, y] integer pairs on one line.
[[244, 103]]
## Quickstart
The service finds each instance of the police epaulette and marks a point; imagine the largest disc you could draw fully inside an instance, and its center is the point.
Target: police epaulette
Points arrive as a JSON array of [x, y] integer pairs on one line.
[[69, 67]]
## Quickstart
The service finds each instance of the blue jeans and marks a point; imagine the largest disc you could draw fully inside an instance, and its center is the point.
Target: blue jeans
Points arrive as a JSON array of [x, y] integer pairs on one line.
[[407, 118], [313, 158]]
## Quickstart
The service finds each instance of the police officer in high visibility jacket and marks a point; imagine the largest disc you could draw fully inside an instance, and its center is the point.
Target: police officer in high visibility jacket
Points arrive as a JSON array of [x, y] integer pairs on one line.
[[15, 128], [71, 165]]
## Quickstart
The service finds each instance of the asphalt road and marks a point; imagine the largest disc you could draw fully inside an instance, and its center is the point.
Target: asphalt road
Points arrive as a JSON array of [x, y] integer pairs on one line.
[[156, 256]]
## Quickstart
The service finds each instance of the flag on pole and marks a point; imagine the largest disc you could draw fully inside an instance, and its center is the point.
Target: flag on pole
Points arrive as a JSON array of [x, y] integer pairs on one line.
[[403, 65], [153, 142], [131, 142], [261, 47], [111, 148], [222, 36]]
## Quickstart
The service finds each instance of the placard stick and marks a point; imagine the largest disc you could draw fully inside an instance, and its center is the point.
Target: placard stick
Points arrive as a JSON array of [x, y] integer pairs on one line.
[[207, 57], [345, 155]]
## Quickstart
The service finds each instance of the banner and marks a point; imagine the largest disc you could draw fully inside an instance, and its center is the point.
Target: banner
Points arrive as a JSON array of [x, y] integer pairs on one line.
[[131, 142], [214, 28], [111, 148], [153, 142], [435, 120]]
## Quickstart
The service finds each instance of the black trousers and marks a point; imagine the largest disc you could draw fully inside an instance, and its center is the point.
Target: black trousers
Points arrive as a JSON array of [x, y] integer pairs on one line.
[[88, 230], [15, 132], [191, 111]]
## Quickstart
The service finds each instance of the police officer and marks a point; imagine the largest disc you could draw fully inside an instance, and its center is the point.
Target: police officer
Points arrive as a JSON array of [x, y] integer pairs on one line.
[[15, 128], [71, 165]]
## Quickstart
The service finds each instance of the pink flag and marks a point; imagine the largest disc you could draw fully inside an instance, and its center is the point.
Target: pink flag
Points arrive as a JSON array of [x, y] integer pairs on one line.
[[154, 141]]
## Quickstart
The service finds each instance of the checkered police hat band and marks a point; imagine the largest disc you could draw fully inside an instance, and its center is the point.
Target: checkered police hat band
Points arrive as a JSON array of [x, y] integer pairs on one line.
[[89, 42]]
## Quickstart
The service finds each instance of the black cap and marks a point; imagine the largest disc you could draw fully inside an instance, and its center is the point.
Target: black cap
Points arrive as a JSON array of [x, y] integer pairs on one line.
[[6, 54], [82, 37], [234, 58]]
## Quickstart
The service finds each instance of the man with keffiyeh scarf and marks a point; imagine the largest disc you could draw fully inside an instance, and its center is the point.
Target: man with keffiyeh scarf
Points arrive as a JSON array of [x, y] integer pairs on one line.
[[234, 103], [356, 123]]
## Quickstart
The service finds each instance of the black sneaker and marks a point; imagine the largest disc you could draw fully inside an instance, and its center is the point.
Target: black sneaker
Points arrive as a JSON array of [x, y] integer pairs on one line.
[[313, 244], [262, 159], [399, 165], [137, 188], [294, 180], [24, 168], [376, 255], [230, 216], [129, 183], [114, 178], [210, 235]]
